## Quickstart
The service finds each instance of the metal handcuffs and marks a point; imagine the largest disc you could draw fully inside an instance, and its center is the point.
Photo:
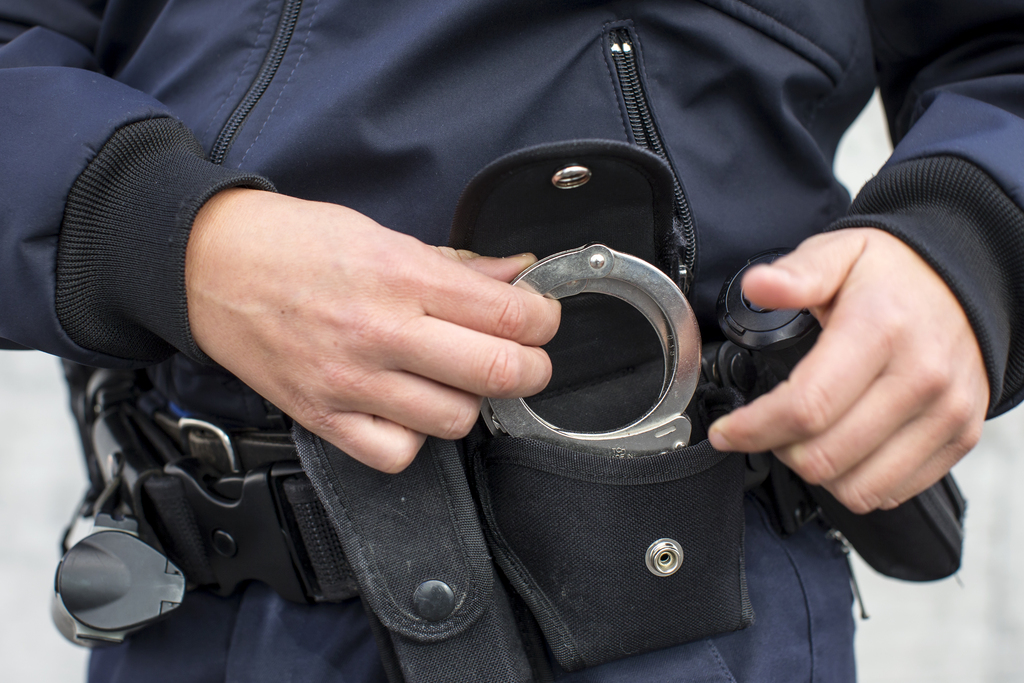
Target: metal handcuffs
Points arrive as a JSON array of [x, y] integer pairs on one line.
[[598, 269]]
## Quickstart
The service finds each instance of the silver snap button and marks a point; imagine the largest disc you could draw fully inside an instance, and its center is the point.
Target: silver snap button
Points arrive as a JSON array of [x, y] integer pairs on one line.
[[664, 557], [570, 176]]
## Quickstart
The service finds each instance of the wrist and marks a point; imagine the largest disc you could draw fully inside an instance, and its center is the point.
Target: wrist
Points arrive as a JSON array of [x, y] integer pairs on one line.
[[213, 245], [120, 277]]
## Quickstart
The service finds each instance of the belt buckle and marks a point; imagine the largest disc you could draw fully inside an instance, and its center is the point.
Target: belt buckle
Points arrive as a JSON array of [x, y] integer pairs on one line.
[[597, 268], [188, 424], [247, 535]]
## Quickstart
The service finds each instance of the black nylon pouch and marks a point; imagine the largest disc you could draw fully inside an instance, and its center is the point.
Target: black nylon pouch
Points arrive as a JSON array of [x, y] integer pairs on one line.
[[399, 531], [571, 529], [921, 540]]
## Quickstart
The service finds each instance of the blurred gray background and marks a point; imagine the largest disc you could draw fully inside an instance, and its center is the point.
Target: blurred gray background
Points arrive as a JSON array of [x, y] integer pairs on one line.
[[968, 629]]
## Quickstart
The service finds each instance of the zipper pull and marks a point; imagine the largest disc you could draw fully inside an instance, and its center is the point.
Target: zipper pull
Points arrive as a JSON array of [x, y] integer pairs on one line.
[[620, 42], [684, 278], [837, 535], [627, 46]]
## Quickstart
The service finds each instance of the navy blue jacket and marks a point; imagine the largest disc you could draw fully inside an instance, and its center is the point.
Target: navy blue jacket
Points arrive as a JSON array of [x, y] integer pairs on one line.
[[120, 118], [389, 108]]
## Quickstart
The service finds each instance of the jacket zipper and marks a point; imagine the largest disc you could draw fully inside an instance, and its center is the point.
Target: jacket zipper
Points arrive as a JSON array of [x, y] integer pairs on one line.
[[278, 46], [646, 135]]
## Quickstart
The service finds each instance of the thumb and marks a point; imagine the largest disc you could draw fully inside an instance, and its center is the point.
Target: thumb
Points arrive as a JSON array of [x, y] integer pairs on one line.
[[810, 276]]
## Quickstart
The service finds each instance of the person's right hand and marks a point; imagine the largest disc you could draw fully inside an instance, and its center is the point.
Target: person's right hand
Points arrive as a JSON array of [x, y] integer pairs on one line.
[[365, 336]]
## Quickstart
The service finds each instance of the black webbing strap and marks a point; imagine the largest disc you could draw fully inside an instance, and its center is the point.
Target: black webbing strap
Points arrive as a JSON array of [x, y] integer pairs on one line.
[[415, 544], [333, 575], [176, 524]]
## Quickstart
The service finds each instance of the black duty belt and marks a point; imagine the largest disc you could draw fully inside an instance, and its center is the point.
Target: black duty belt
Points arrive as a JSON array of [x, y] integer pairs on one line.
[[259, 520], [223, 507]]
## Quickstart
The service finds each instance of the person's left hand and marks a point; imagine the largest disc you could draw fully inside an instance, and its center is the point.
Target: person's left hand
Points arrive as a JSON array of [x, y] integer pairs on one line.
[[892, 394]]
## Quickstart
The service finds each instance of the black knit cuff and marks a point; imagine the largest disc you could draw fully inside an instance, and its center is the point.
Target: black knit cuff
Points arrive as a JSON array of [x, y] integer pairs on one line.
[[121, 254], [962, 223]]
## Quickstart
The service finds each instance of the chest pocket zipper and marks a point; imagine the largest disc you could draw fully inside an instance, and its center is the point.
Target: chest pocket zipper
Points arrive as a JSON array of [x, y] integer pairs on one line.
[[622, 48], [271, 63]]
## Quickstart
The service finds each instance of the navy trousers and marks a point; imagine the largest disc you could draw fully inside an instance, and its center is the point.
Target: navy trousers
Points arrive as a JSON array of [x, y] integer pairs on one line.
[[802, 632]]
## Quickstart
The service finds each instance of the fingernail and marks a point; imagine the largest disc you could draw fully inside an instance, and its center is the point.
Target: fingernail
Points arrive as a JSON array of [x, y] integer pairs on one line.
[[716, 437], [889, 504]]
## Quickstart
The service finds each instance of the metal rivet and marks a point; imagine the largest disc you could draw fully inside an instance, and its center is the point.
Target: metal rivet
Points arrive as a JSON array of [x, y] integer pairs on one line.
[[664, 557], [224, 543], [434, 600], [570, 176], [597, 261]]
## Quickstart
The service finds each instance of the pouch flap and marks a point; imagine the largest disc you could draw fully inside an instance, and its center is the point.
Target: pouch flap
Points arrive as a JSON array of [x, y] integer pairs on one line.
[[607, 361], [401, 530], [513, 206]]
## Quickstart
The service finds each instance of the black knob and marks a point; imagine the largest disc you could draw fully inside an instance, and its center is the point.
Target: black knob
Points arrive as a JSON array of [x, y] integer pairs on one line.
[[756, 328]]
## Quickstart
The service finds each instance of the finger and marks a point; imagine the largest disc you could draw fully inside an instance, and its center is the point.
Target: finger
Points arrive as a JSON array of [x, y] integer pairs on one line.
[[472, 361], [889, 404], [421, 404], [484, 304], [846, 359], [909, 462], [808, 277], [459, 255], [374, 441], [503, 269]]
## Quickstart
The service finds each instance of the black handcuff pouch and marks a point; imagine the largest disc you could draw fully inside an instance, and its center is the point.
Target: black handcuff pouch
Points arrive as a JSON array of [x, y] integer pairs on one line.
[[571, 529]]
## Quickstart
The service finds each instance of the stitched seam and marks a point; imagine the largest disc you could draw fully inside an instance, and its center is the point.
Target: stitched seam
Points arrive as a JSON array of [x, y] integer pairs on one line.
[[248, 60], [799, 579], [610, 480], [513, 565], [721, 662], [837, 85], [472, 589], [305, 44], [325, 464], [433, 632], [786, 27], [775, 22], [629, 479]]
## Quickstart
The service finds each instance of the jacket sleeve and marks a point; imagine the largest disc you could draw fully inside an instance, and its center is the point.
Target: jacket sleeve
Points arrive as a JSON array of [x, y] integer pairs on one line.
[[951, 76], [100, 185]]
